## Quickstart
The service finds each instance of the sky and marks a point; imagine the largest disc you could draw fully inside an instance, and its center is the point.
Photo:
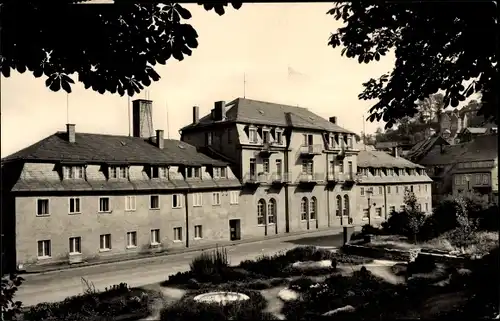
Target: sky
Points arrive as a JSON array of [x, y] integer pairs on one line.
[[281, 49]]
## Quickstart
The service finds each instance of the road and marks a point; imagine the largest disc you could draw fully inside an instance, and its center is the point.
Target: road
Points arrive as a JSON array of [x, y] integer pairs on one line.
[[57, 285]]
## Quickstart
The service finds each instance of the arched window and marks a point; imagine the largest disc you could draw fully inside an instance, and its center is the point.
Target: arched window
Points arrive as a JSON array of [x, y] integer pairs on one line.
[[271, 211], [346, 205], [338, 212], [304, 209], [261, 212], [313, 208]]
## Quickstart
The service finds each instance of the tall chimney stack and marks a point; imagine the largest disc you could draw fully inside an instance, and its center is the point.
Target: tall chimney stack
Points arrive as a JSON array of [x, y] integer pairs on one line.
[[395, 151], [142, 118], [160, 142], [196, 114], [333, 120], [220, 110], [70, 131]]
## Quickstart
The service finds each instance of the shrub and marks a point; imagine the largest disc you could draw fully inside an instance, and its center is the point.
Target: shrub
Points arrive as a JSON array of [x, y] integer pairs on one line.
[[301, 284], [188, 309], [210, 266], [368, 229], [10, 308]]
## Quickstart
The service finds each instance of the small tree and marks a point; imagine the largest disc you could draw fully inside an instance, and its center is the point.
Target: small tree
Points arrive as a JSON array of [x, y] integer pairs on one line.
[[10, 308], [407, 222]]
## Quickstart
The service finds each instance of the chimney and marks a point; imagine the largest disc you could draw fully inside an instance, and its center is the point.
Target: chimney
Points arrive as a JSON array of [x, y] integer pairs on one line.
[[70, 131], [333, 120], [219, 110], [395, 151], [196, 114], [142, 118], [160, 142]]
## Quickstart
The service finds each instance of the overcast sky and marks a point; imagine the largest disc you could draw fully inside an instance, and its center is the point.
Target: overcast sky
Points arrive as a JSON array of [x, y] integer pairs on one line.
[[264, 41]]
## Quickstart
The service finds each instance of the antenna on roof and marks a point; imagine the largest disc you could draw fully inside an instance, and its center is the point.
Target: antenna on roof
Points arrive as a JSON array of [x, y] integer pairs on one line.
[[168, 126], [244, 84], [67, 108], [128, 107]]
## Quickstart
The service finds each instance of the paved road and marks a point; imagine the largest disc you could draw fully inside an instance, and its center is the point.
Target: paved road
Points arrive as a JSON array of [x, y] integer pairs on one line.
[[57, 285]]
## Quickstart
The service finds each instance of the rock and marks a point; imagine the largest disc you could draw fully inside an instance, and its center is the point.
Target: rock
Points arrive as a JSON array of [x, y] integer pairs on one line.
[[312, 265], [347, 308], [288, 295]]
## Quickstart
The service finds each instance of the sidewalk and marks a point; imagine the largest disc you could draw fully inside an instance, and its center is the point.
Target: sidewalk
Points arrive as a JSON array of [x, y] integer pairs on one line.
[[36, 269]]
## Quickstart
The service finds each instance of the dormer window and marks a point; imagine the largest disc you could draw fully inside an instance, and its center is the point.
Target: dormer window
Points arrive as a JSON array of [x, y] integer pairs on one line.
[[266, 136], [158, 172], [349, 141], [252, 135], [73, 172], [279, 137], [117, 172], [219, 172], [193, 172]]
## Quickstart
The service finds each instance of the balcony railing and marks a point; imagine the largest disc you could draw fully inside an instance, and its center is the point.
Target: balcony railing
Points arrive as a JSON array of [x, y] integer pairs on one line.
[[342, 177], [316, 149], [311, 178], [253, 178], [281, 177]]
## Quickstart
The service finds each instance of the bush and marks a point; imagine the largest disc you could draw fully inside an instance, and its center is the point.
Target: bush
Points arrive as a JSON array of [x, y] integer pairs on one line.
[[301, 284], [368, 229], [210, 266], [10, 308], [407, 222], [188, 309]]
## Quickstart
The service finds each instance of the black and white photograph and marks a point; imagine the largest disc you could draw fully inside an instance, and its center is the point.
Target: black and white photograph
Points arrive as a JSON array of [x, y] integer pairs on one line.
[[249, 160]]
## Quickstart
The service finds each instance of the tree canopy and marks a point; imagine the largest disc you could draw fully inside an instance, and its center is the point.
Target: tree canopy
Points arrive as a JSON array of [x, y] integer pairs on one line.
[[112, 47], [439, 45]]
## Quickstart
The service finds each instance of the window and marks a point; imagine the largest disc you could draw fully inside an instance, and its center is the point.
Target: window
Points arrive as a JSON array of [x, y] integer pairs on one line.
[[308, 140], [42, 207], [397, 189], [303, 209], [458, 180], [313, 208], [380, 190], [332, 168], [216, 198], [464, 179], [346, 205], [74, 205], [154, 172], [155, 236], [44, 249], [198, 232], [105, 242], [338, 211], [392, 209], [130, 203], [271, 211], [411, 188], [75, 245], [486, 179], [366, 213], [131, 239], [402, 208], [279, 138], [261, 212], [362, 190], [73, 172], [252, 135], [265, 162], [341, 166], [209, 138], [265, 136], [118, 172], [478, 179], [193, 172], [104, 205], [307, 166], [197, 199], [176, 201], [154, 202], [388, 190], [234, 197], [349, 167], [378, 212], [419, 188], [279, 168], [177, 234], [219, 172]]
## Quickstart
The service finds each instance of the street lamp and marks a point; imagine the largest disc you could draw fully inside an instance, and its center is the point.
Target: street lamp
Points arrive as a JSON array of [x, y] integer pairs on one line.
[[467, 178], [369, 193]]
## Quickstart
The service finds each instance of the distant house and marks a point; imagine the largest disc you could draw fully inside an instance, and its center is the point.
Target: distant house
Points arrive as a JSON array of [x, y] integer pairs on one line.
[[419, 150]]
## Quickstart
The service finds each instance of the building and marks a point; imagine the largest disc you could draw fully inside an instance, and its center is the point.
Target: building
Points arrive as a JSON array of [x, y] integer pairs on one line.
[[308, 166], [248, 170], [384, 181]]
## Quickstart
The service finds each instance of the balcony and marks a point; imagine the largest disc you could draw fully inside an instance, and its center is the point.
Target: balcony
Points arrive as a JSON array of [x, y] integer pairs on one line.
[[305, 178], [311, 150], [256, 179], [342, 177], [280, 178], [268, 148]]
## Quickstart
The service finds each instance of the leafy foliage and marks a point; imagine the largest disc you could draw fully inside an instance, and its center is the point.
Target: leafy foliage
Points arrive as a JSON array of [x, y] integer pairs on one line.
[[112, 47], [436, 48], [209, 264], [10, 308], [407, 222]]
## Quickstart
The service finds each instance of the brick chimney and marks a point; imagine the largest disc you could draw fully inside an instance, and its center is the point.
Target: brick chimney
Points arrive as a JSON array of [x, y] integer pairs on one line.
[[70, 131], [196, 114], [395, 151], [219, 110], [333, 120], [142, 118], [160, 142]]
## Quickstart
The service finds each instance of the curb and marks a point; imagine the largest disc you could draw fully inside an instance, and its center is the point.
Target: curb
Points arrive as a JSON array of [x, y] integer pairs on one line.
[[282, 237]]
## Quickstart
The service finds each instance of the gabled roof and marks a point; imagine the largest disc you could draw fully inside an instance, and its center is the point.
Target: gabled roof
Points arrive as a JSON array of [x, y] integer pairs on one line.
[[476, 130], [373, 158], [98, 148], [242, 110], [424, 146]]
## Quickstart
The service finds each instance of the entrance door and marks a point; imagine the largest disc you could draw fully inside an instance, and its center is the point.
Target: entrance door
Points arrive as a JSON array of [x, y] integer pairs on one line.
[[234, 230]]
